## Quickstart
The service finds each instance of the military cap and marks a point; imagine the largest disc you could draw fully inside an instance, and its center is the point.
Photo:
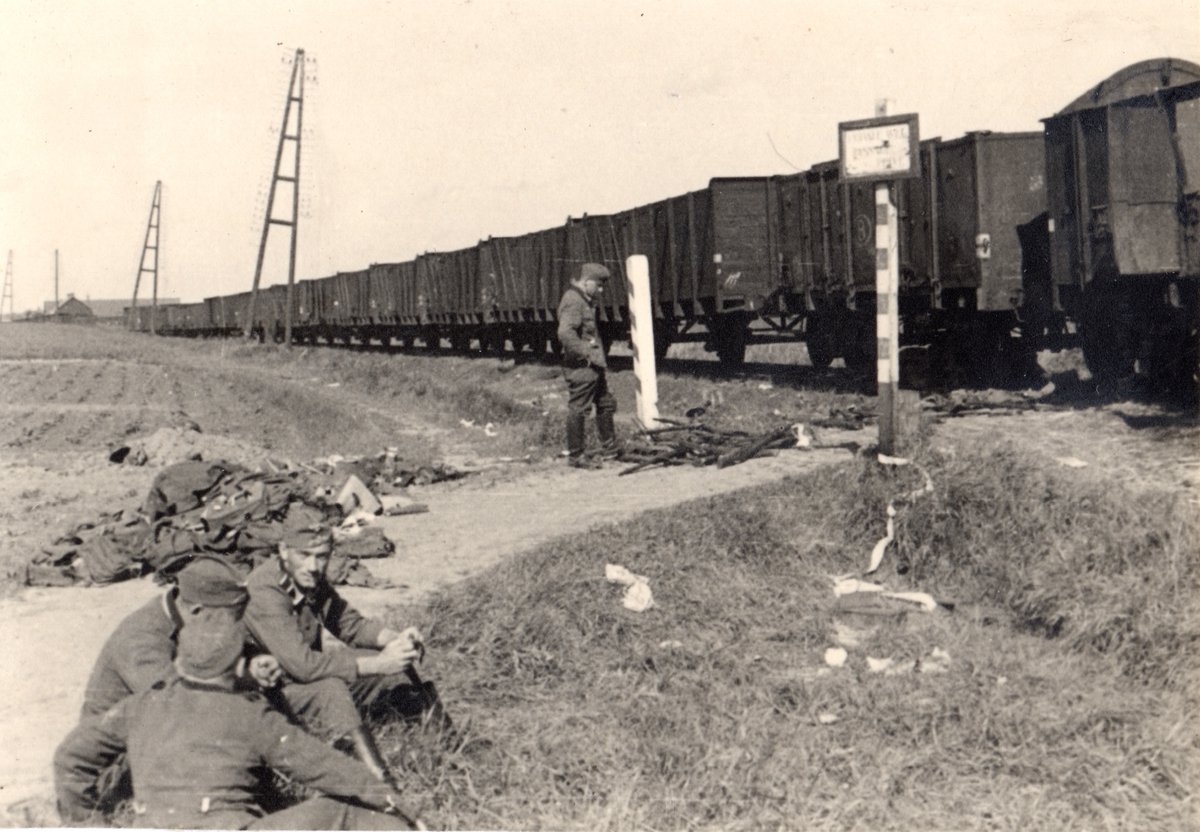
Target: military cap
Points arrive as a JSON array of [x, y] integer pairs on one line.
[[593, 271], [304, 527], [208, 648], [212, 582]]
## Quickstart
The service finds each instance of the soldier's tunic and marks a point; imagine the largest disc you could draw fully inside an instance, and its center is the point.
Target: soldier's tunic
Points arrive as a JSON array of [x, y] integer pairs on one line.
[[194, 750], [137, 654], [584, 368], [321, 686]]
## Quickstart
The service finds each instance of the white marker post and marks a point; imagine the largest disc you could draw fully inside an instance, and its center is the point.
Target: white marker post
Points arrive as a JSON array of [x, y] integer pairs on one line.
[[881, 150], [887, 316], [641, 339]]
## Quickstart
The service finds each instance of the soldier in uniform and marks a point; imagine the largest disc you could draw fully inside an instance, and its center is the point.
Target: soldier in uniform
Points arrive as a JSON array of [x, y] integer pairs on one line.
[[140, 653], [331, 687], [195, 746], [141, 649], [585, 365]]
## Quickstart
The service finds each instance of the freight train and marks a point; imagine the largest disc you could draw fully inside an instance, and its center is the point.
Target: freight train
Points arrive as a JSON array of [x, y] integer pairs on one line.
[[1087, 232]]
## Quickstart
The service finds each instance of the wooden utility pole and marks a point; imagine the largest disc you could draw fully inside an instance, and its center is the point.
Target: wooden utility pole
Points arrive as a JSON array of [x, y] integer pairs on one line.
[[295, 96]]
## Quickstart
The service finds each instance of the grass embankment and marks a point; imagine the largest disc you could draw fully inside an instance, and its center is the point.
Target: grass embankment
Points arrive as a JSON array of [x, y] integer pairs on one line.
[[1064, 705]]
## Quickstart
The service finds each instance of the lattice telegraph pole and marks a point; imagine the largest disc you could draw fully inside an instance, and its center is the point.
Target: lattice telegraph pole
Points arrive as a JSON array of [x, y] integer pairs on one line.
[[295, 96], [881, 150], [149, 245]]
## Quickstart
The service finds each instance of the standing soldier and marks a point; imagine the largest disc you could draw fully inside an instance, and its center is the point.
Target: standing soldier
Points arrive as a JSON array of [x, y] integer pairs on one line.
[[585, 365]]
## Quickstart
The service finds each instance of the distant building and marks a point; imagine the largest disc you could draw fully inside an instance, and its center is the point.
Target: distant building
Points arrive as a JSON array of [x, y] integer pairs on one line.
[[74, 310], [106, 310]]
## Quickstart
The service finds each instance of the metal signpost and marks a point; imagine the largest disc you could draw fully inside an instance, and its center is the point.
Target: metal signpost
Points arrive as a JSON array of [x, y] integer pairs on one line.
[[881, 150]]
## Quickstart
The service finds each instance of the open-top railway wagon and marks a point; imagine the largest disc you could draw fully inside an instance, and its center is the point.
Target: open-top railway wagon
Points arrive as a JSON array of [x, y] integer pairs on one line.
[[1008, 243]]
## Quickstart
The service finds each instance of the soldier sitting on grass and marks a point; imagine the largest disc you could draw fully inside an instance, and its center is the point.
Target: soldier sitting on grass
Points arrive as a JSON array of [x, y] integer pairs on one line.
[[138, 654], [331, 688], [195, 746]]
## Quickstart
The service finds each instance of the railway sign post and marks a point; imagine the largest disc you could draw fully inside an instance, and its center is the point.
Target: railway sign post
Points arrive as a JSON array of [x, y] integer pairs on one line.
[[880, 150]]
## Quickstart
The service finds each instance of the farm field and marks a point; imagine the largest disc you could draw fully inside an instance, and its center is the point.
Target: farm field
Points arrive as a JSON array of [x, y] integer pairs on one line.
[[1056, 693]]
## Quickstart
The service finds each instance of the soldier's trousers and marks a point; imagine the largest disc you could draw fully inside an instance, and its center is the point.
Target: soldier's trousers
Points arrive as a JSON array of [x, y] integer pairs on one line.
[[327, 813], [588, 387], [331, 708]]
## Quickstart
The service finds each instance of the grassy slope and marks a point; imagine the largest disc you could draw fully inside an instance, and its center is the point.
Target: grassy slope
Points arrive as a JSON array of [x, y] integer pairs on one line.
[[1063, 707]]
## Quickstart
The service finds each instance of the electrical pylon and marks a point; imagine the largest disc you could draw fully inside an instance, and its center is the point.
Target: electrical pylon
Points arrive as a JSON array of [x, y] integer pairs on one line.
[[147, 247], [295, 96], [7, 297]]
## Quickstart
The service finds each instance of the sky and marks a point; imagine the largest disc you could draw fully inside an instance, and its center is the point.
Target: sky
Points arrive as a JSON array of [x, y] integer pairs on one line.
[[431, 125]]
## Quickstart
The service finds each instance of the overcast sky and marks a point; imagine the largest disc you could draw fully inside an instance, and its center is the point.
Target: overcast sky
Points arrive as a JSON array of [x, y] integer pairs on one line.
[[430, 125]]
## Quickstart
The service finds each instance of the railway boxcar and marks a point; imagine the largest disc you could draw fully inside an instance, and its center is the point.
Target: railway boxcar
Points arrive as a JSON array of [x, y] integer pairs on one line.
[[227, 313], [1123, 168], [965, 263], [712, 254]]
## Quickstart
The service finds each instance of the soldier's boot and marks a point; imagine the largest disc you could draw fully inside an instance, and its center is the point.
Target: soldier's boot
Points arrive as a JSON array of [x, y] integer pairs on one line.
[[609, 449], [575, 440], [366, 751]]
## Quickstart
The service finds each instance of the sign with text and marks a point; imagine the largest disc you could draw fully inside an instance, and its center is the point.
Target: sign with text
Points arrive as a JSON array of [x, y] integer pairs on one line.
[[878, 149]]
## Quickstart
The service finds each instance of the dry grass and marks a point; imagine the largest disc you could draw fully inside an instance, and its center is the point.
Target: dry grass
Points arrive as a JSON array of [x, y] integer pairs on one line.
[[1065, 704]]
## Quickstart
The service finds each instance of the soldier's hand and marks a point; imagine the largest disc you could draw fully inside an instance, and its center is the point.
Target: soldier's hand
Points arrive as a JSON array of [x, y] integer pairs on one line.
[[415, 640], [264, 669], [398, 656]]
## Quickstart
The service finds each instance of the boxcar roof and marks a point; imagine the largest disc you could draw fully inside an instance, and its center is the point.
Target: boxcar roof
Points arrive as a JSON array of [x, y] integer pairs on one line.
[[1143, 78]]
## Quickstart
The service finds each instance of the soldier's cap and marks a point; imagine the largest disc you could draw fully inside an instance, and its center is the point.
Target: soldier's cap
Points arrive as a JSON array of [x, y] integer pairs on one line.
[[305, 527], [209, 648], [212, 582], [593, 271]]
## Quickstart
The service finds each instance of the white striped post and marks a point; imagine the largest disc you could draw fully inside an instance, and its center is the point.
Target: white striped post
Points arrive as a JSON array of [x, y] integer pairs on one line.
[[641, 339], [887, 316]]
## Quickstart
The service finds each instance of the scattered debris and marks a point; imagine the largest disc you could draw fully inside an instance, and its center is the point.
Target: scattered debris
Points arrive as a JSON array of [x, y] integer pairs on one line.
[[204, 503], [847, 636], [836, 656], [637, 587], [983, 402], [355, 496], [401, 503], [938, 662], [927, 488], [699, 444]]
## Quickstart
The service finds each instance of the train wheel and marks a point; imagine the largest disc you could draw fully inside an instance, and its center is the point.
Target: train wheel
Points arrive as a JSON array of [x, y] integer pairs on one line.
[[1106, 333], [818, 340], [732, 335], [664, 332]]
